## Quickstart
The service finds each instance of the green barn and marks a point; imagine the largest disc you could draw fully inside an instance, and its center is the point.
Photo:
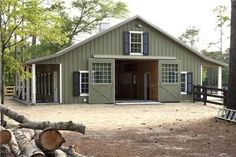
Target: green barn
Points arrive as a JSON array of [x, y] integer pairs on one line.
[[133, 60]]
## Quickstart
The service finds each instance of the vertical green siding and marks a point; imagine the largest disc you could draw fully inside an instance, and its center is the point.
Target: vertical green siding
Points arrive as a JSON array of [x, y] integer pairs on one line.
[[112, 43]]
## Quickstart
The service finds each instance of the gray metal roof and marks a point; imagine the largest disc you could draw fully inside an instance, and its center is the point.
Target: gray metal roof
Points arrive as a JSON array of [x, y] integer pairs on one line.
[[116, 26]]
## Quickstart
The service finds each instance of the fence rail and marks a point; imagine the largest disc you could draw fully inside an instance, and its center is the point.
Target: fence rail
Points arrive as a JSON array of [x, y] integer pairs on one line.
[[200, 93], [9, 90]]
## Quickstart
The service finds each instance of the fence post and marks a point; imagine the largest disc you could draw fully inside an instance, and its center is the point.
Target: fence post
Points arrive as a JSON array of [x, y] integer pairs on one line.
[[198, 91], [204, 90], [225, 98]]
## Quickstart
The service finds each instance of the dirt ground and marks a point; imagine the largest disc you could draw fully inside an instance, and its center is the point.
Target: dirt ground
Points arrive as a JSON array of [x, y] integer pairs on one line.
[[165, 130]]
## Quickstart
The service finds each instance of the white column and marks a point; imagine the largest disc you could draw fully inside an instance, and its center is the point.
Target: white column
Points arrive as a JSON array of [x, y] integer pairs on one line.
[[60, 81], [219, 78], [33, 84], [201, 75], [23, 89], [27, 87]]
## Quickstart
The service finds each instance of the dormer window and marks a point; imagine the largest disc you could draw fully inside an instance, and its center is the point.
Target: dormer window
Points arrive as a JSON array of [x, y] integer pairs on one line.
[[136, 42]]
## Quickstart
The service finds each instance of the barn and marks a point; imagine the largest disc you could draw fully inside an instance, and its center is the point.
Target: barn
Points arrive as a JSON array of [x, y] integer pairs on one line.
[[133, 60]]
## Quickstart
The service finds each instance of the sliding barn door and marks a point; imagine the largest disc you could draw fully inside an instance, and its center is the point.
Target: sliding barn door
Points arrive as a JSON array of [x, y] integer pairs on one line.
[[169, 80], [101, 80]]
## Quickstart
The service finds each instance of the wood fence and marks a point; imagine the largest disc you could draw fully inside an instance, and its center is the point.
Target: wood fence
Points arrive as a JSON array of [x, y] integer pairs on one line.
[[9, 90], [201, 93]]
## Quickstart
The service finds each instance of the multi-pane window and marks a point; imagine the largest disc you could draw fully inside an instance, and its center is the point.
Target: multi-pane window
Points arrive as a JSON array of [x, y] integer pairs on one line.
[[101, 73], [136, 42], [183, 82], [169, 73], [84, 83]]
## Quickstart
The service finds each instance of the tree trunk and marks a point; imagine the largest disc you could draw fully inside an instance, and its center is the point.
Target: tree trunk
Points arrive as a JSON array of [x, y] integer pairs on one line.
[[5, 136], [49, 140], [231, 97], [26, 123], [2, 82]]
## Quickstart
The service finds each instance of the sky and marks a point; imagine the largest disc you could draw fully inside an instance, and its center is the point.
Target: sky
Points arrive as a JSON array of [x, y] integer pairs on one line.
[[175, 16]]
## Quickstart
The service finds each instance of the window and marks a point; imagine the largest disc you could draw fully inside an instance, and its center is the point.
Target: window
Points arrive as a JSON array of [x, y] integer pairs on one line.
[[136, 42], [101, 73], [84, 83], [169, 73], [183, 82]]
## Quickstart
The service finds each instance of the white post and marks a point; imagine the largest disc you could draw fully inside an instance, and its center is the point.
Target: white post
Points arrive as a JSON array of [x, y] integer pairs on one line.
[[219, 79], [27, 87], [201, 75], [60, 80], [23, 89], [33, 84]]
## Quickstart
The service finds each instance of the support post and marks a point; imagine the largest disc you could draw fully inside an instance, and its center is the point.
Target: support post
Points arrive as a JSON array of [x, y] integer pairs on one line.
[[220, 79], [27, 87], [60, 80], [201, 71], [33, 84], [23, 89]]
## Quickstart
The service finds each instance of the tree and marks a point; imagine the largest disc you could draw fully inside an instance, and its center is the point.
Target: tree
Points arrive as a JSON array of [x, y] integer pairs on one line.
[[222, 20], [85, 18], [20, 20], [231, 97], [190, 36]]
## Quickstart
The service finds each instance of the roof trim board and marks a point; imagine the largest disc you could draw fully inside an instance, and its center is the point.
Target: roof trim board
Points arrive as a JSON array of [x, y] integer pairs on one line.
[[134, 57], [60, 53]]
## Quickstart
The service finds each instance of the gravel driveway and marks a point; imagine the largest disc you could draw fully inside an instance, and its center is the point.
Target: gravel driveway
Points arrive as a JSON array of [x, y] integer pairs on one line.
[[165, 130], [109, 116]]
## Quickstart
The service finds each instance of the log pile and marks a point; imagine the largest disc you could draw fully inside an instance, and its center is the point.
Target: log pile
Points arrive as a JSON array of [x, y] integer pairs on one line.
[[36, 139]]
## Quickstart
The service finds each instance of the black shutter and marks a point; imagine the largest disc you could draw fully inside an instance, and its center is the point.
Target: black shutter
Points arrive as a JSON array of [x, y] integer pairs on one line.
[[126, 43], [189, 82], [145, 43], [76, 83]]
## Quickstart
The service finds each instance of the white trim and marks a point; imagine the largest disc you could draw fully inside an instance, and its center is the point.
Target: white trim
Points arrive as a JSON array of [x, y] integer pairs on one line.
[[60, 80], [186, 81], [136, 32], [33, 84], [80, 72]]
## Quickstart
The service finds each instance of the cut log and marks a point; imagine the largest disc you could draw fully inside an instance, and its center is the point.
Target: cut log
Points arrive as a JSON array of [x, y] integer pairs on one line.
[[55, 125], [5, 151], [70, 151], [56, 153], [59, 153], [26, 123], [28, 148], [49, 140], [5, 136], [14, 146]]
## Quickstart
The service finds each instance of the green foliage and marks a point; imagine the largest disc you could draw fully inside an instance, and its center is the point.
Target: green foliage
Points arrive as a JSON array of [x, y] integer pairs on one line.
[[222, 22], [20, 20], [190, 36], [86, 16]]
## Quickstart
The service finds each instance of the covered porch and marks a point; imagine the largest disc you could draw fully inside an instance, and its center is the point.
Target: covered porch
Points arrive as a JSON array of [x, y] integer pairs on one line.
[[44, 85]]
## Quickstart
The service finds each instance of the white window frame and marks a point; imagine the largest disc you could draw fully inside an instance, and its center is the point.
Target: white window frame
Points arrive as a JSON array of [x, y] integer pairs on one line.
[[186, 82], [80, 73], [102, 82], [136, 53]]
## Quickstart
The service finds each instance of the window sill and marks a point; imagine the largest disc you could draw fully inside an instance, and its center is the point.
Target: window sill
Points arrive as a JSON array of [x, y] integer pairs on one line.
[[84, 94], [136, 54], [183, 93]]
